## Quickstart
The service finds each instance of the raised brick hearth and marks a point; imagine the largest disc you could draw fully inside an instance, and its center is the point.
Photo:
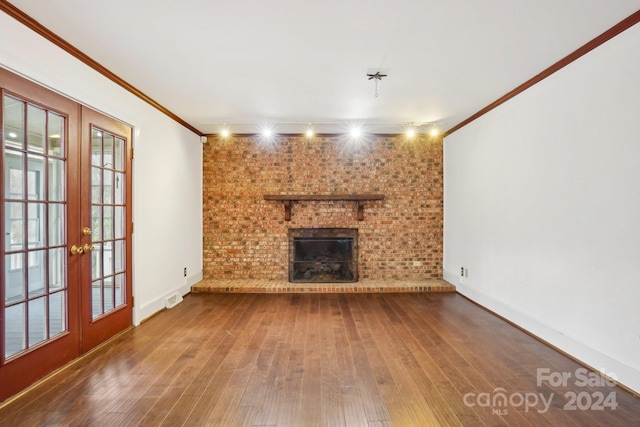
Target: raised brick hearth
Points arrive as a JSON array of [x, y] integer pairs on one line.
[[282, 286], [246, 237]]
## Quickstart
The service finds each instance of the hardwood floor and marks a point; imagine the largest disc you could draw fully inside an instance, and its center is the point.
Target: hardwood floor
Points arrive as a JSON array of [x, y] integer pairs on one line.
[[321, 360]]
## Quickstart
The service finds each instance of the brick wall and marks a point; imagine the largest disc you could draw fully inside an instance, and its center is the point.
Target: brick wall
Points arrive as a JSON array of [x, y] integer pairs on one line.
[[246, 236]]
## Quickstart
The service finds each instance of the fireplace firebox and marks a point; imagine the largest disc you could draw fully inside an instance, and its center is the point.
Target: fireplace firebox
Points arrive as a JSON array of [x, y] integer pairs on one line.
[[323, 255]]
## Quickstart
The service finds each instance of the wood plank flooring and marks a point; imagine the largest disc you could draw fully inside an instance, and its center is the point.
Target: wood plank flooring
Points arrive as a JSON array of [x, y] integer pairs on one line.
[[424, 359]]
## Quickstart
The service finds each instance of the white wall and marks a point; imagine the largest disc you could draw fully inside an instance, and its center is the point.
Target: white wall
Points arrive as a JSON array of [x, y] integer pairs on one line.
[[542, 206], [167, 169]]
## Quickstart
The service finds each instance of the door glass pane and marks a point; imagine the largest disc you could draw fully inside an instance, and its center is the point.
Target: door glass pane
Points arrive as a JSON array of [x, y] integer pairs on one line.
[[118, 154], [14, 172], [96, 261], [118, 222], [14, 335], [57, 269], [37, 321], [14, 122], [96, 223], [34, 225], [36, 122], [107, 265], [35, 178], [108, 293], [14, 276], [14, 226], [107, 222], [56, 180], [37, 273], [107, 144], [56, 222], [119, 256], [118, 188], [96, 147], [57, 313], [119, 289], [56, 135], [96, 299], [96, 185], [108, 186]]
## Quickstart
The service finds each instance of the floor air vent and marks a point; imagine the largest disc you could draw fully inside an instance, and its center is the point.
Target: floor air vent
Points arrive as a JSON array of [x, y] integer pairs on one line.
[[173, 300]]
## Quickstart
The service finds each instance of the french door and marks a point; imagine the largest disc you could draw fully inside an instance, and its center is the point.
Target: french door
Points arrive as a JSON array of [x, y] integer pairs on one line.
[[66, 252], [106, 218]]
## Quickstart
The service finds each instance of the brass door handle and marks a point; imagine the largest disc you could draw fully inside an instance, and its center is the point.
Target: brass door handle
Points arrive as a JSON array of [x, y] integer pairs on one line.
[[88, 248], [75, 250], [86, 231]]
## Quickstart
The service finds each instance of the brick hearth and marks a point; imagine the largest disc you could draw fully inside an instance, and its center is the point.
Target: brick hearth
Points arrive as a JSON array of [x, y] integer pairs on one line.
[[281, 286]]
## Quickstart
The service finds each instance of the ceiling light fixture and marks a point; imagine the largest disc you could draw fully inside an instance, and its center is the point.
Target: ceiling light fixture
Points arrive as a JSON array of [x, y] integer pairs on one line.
[[411, 132], [267, 136], [377, 76], [309, 133]]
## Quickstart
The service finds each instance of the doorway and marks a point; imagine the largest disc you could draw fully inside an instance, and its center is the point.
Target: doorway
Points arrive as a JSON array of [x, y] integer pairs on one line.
[[65, 234]]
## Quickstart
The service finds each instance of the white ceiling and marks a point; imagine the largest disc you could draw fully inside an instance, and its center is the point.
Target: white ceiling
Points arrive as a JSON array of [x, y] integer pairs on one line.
[[293, 62]]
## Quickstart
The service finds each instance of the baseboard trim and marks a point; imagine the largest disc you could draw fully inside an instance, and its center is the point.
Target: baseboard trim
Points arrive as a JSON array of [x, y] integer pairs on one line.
[[157, 305]]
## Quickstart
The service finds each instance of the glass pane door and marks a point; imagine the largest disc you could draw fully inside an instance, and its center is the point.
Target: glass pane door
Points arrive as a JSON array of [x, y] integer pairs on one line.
[[35, 282], [107, 299], [65, 233]]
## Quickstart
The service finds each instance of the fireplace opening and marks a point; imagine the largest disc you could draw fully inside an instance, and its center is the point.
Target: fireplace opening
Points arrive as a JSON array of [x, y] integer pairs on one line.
[[323, 255]]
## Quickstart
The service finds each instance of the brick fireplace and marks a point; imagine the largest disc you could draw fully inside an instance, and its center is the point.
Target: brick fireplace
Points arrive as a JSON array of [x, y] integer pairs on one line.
[[323, 255], [247, 237]]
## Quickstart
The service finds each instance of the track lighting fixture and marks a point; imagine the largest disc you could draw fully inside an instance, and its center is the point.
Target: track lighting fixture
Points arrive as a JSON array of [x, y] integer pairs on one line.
[[309, 130]]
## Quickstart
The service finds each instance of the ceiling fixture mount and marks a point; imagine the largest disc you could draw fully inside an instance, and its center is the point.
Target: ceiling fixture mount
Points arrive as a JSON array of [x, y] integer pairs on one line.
[[377, 76]]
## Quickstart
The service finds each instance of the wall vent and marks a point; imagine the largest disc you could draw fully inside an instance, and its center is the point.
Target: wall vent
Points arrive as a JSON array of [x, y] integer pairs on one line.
[[173, 300]]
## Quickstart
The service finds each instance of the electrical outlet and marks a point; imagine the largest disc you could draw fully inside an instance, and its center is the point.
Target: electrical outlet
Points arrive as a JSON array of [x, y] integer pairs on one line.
[[185, 272], [466, 272]]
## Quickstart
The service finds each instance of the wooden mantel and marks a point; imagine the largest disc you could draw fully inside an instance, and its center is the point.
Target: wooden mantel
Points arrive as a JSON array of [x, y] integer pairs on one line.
[[288, 200]]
